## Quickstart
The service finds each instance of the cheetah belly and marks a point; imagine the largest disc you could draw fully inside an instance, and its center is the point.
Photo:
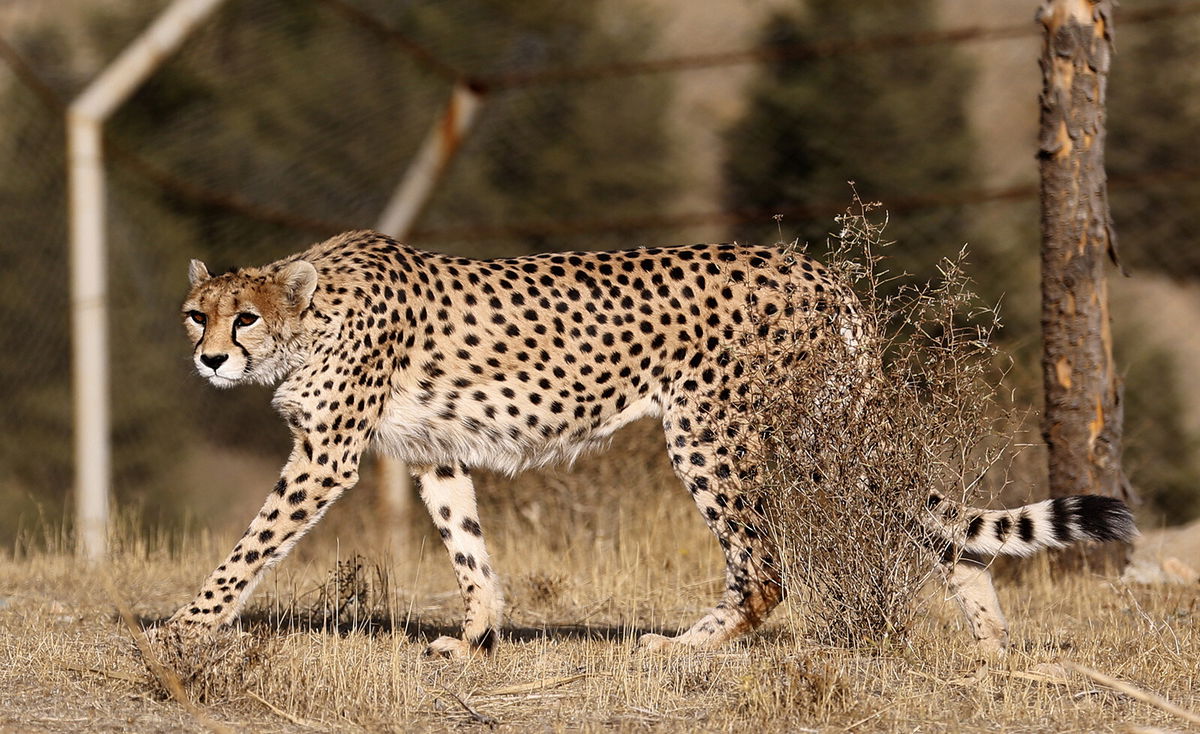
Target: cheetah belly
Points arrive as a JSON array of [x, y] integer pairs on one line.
[[414, 434]]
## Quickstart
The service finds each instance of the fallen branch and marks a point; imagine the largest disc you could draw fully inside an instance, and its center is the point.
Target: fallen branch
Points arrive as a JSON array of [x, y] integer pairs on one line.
[[1134, 692], [114, 674], [481, 718], [537, 685]]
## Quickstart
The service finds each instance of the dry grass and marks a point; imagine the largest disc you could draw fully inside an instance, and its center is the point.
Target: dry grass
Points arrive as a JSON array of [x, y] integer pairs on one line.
[[67, 663]]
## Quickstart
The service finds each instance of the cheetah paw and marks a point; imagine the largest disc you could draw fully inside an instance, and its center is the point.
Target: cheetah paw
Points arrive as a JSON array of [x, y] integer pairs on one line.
[[449, 647], [177, 633], [993, 649], [652, 643]]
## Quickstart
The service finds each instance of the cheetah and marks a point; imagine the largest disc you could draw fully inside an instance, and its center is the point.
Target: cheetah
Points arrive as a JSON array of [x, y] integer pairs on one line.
[[452, 364]]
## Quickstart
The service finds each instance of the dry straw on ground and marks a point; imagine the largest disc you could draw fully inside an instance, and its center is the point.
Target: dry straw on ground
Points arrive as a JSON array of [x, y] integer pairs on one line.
[[67, 663]]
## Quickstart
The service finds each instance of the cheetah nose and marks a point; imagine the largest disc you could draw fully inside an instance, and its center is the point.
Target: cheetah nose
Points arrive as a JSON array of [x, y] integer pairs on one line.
[[213, 361]]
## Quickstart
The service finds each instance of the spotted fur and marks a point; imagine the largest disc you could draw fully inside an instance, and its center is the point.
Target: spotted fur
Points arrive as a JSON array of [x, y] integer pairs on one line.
[[450, 364], [1023, 531]]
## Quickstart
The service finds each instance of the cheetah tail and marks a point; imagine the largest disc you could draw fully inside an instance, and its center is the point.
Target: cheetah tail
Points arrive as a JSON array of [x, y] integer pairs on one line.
[[1022, 531]]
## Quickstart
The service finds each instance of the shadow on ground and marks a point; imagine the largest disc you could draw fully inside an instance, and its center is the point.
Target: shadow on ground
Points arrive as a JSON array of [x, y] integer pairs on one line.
[[417, 629]]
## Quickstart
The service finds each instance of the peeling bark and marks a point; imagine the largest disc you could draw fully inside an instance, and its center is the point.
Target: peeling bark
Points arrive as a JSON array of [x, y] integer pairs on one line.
[[1083, 417]]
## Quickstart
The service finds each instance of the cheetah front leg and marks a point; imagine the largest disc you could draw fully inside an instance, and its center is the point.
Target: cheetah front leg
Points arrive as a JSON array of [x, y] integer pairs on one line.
[[450, 496], [320, 469]]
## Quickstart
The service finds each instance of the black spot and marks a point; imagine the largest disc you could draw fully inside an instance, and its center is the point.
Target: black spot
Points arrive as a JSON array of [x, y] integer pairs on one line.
[[1003, 525], [1025, 527], [1061, 513], [974, 527]]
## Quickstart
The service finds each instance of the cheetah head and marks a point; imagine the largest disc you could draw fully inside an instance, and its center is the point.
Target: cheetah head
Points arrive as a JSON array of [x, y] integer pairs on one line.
[[246, 325]]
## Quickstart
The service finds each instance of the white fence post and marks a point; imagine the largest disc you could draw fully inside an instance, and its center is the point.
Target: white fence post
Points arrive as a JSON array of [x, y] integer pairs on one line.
[[410, 196], [89, 292], [89, 334]]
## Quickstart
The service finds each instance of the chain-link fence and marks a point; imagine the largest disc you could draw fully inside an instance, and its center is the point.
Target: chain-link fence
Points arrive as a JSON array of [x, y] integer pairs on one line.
[[604, 124]]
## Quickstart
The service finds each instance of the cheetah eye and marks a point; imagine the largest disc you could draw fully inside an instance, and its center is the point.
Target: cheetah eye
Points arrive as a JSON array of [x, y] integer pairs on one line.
[[197, 317], [245, 319]]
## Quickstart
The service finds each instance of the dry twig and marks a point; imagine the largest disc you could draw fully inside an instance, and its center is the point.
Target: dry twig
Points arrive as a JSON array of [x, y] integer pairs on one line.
[[114, 674], [484, 719], [165, 676], [1134, 692], [532, 686]]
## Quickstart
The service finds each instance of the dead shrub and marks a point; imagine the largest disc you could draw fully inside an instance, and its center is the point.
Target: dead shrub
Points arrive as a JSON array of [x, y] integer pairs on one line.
[[857, 427], [803, 688], [355, 594], [216, 667], [223, 663], [541, 590]]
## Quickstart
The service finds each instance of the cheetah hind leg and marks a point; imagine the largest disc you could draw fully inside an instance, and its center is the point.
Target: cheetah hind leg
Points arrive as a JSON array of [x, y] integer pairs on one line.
[[971, 584], [750, 595], [753, 585], [449, 495]]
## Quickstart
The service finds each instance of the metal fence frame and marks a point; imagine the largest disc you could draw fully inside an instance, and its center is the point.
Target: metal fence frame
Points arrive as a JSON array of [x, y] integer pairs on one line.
[[89, 288], [86, 116]]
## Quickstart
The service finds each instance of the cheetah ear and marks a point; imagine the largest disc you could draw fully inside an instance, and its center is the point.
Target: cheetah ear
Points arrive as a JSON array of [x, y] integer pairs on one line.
[[197, 273], [299, 281]]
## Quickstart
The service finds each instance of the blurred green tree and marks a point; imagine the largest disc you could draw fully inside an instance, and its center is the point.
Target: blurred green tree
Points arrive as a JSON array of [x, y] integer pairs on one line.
[[1153, 110], [1154, 106], [1161, 450], [891, 120]]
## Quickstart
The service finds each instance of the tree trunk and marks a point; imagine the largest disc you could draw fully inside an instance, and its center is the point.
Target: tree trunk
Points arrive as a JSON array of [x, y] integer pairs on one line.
[[1083, 419]]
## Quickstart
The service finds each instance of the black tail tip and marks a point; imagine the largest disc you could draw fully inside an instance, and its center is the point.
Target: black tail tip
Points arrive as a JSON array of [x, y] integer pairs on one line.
[[1104, 518]]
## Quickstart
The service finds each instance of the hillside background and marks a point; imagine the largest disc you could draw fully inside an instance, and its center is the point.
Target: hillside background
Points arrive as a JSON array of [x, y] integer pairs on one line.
[[281, 123]]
